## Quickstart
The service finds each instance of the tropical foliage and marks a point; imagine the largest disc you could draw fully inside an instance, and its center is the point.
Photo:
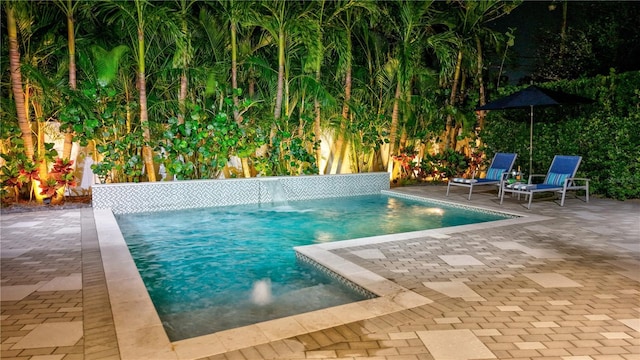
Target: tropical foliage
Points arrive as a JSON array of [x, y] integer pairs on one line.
[[192, 89]]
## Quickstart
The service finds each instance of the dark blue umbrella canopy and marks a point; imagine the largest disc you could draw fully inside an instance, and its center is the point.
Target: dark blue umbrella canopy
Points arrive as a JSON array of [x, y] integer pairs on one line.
[[536, 97], [531, 97]]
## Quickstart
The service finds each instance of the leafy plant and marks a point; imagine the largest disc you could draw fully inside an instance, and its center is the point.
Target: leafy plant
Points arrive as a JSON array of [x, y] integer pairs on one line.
[[405, 163], [17, 171], [288, 156], [15, 174], [60, 176], [444, 165], [475, 161]]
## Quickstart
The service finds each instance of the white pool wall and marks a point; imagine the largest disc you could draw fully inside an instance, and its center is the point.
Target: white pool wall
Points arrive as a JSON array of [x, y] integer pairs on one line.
[[124, 198]]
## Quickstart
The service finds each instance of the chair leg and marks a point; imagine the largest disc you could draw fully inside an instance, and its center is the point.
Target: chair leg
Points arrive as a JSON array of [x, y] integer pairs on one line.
[[470, 190], [564, 193], [530, 199], [448, 186], [587, 192], [502, 196]]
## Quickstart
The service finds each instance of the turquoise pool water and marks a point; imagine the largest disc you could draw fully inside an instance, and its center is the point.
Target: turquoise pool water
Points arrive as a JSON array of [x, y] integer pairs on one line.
[[213, 269]]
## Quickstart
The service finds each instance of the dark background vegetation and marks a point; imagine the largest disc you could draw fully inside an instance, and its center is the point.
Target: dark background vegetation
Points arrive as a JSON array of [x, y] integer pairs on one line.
[[600, 35]]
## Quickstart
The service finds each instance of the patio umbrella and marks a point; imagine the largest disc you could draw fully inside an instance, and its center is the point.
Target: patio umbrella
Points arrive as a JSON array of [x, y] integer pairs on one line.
[[530, 98]]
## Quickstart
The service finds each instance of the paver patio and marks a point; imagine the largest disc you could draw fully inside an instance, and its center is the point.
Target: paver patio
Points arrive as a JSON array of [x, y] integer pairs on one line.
[[567, 287]]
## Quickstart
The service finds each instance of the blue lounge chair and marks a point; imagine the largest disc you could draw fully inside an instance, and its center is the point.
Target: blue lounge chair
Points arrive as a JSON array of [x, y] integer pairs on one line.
[[559, 179], [500, 167]]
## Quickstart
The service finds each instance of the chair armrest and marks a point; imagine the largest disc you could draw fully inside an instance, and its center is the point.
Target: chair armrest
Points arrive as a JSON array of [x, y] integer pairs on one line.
[[581, 179], [570, 183]]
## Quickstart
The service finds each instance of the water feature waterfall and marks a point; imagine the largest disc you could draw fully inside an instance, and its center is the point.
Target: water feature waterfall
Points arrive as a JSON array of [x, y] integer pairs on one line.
[[275, 189], [261, 292]]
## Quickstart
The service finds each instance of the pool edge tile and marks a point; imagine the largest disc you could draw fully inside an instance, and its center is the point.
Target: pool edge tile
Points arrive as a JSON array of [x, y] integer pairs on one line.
[[282, 328], [199, 347], [136, 340]]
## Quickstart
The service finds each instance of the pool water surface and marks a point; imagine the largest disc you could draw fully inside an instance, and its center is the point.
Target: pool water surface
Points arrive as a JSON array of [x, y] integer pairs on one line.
[[212, 269]]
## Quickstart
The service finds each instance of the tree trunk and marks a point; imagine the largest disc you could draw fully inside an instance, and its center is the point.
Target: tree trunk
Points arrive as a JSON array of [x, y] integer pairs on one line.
[[234, 72], [457, 126], [563, 29], [449, 128], [252, 88], [402, 146], [403, 140], [182, 96], [277, 111], [16, 83], [246, 169], [394, 128], [483, 96], [147, 152], [339, 145], [71, 40], [317, 130], [184, 80], [43, 168]]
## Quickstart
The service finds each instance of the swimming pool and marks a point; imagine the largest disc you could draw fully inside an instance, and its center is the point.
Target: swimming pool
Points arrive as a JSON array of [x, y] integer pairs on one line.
[[218, 268]]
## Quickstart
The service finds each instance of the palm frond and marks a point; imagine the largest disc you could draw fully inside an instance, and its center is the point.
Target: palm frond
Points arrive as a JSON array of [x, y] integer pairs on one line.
[[107, 62]]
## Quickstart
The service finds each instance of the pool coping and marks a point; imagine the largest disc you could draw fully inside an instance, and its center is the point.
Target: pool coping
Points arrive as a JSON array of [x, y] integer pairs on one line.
[[140, 332]]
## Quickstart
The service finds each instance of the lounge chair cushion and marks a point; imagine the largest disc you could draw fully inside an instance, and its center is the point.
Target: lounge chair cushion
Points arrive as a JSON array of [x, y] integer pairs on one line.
[[522, 187], [556, 179], [494, 174], [465, 181], [548, 187]]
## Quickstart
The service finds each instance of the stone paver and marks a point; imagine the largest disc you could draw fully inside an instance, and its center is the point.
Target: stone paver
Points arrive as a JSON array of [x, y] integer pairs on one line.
[[563, 288], [50, 306]]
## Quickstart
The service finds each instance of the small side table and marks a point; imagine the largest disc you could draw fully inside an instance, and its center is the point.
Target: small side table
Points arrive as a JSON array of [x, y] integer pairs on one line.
[[514, 177]]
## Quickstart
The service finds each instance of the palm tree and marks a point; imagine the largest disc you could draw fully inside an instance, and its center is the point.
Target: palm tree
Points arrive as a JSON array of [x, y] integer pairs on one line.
[[234, 11], [471, 27], [16, 81], [68, 7], [280, 18], [409, 28], [345, 16], [136, 17], [147, 152], [373, 87], [317, 64], [35, 90], [283, 22], [184, 52], [276, 19]]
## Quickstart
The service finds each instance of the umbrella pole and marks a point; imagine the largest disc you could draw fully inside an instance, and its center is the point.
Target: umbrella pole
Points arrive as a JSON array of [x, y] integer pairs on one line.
[[531, 144]]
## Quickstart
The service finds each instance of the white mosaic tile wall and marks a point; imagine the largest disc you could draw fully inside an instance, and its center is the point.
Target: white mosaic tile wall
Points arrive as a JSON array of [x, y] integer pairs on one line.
[[174, 195]]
